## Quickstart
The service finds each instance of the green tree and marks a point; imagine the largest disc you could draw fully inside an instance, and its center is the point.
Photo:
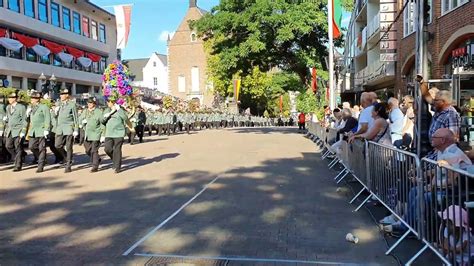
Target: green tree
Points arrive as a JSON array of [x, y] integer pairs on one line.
[[242, 35]]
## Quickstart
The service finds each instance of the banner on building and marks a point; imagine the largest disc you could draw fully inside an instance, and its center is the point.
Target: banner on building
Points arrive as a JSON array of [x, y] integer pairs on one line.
[[123, 16], [237, 84]]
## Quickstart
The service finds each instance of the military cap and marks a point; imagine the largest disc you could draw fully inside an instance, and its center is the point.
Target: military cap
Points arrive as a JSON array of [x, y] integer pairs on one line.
[[92, 100], [35, 95], [64, 91], [12, 95]]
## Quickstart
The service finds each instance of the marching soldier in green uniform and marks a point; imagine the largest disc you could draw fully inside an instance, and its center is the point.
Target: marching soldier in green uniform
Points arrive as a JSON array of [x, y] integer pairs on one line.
[[116, 122], [66, 128], [38, 129], [160, 122], [52, 139], [91, 119], [15, 130]]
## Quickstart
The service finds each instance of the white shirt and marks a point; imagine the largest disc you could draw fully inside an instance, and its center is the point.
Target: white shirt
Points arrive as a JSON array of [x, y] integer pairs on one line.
[[397, 122], [455, 157], [366, 117]]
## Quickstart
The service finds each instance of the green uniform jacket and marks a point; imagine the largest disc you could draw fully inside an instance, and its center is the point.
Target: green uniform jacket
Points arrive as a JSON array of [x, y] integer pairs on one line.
[[16, 120], [40, 120], [93, 127], [54, 121], [115, 127], [67, 119]]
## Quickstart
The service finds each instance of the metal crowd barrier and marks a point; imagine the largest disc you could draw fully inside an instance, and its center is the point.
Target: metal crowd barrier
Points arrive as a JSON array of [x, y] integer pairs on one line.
[[444, 193], [415, 191]]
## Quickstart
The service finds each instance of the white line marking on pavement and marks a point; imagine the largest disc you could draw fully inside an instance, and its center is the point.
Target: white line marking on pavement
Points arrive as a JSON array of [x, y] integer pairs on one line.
[[168, 219], [243, 259]]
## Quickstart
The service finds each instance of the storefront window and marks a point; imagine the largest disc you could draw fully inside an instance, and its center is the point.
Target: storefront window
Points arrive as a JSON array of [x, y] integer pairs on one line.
[[31, 55], [45, 60], [57, 61]]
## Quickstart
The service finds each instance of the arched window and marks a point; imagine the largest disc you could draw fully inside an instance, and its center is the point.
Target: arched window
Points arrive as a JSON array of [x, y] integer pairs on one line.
[[193, 37]]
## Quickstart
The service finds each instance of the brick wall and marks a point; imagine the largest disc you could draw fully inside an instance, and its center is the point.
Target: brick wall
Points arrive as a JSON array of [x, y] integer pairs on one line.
[[183, 55], [441, 29]]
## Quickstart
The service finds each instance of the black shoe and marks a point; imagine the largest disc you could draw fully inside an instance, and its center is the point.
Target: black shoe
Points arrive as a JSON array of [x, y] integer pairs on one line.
[[67, 170], [93, 170], [117, 171], [17, 169], [39, 170]]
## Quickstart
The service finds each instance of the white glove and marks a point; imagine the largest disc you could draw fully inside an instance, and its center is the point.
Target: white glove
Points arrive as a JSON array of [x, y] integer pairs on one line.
[[28, 111], [5, 118], [1, 133], [84, 121], [56, 109], [75, 134], [102, 139], [107, 115], [117, 107], [22, 135], [46, 133]]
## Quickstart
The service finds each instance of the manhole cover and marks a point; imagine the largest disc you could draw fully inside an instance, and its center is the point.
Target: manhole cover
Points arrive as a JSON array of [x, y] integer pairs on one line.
[[185, 261]]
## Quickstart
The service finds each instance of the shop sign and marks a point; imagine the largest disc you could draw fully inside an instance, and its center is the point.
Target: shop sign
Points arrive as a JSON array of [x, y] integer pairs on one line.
[[463, 56]]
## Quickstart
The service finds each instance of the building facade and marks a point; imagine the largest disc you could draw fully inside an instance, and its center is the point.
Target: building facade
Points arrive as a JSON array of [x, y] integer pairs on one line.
[[187, 61], [150, 72], [72, 40], [370, 60], [450, 49]]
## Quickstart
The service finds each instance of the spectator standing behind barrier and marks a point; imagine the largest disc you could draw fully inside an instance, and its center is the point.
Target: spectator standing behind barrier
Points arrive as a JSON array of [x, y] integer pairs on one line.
[[366, 120], [448, 153], [445, 115], [350, 124], [356, 111], [380, 131], [337, 122], [396, 119]]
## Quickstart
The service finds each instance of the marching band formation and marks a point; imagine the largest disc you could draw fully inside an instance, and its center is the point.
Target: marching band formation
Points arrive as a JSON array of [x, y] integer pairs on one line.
[[60, 126]]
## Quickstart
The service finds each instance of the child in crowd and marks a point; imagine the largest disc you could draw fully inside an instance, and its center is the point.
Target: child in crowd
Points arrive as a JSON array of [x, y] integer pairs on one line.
[[455, 235]]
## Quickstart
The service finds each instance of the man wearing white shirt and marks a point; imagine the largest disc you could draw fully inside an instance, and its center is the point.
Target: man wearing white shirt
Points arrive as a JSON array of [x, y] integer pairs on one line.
[[397, 122], [366, 120]]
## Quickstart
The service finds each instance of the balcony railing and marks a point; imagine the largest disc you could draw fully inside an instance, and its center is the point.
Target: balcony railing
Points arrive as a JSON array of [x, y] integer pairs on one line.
[[373, 26]]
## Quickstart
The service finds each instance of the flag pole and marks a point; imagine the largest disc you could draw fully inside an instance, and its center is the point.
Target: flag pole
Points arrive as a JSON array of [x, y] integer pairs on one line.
[[332, 103]]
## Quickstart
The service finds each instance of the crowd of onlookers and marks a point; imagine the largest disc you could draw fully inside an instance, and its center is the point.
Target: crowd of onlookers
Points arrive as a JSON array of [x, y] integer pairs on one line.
[[392, 123]]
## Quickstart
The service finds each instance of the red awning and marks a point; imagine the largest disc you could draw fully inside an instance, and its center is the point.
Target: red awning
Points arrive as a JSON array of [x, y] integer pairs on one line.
[[95, 58], [25, 40], [3, 32], [53, 47], [75, 52]]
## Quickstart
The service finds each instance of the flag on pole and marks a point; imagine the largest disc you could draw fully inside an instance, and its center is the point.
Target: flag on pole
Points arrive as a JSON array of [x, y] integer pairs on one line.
[[314, 80], [336, 18], [236, 89], [281, 103], [123, 16]]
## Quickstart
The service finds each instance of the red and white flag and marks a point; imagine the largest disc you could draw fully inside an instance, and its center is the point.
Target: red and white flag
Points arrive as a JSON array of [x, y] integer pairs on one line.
[[123, 16]]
